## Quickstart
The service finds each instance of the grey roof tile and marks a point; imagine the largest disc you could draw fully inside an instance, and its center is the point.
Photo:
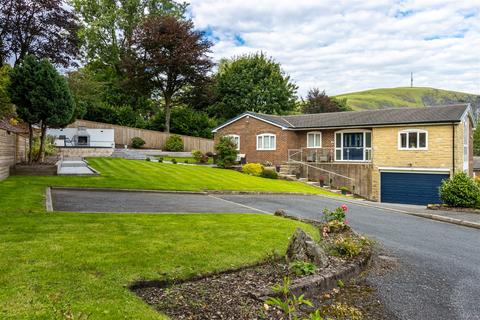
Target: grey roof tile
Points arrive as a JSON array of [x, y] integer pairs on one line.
[[437, 114]]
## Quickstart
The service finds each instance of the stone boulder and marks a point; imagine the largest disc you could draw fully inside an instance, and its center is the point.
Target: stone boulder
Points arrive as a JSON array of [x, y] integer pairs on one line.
[[302, 247]]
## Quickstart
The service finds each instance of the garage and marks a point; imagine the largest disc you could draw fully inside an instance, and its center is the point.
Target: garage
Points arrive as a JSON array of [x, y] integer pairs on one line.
[[411, 187]]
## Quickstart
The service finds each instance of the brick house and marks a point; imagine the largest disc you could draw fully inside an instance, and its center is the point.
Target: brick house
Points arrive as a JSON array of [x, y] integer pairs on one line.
[[391, 155]]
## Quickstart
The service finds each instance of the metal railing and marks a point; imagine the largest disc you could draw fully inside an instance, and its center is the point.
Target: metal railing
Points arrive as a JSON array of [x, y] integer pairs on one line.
[[326, 155]]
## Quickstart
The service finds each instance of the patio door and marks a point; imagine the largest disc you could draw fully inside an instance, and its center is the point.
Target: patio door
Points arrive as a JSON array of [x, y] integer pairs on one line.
[[353, 146]]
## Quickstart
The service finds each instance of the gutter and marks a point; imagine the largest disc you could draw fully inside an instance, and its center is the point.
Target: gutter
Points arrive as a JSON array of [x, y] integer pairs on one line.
[[453, 149]]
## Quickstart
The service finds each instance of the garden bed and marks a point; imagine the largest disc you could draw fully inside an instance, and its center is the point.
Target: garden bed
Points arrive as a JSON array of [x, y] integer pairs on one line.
[[242, 293], [445, 207]]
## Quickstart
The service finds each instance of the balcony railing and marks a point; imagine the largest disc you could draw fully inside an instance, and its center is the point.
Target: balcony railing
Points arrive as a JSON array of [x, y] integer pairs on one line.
[[326, 155]]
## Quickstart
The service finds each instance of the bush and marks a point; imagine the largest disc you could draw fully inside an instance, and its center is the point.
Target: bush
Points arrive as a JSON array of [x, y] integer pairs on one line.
[[302, 268], [50, 148], [160, 160], [174, 161], [338, 214], [460, 191], [209, 154], [137, 142], [174, 143], [269, 174], [148, 159], [226, 150], [199, 156], [253, 169], [349, 247]]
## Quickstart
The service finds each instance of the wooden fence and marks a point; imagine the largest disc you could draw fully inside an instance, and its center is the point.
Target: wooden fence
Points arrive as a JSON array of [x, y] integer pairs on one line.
[[153, 139], [12, 150]]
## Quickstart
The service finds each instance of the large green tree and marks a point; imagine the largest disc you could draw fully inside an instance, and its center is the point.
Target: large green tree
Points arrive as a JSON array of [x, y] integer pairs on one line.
[[44, 28], [42, 97], [253, 83], [170, 55], [6, 106], [108, 25]]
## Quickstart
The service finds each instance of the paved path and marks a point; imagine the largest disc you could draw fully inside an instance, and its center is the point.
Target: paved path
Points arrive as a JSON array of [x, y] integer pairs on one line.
[[439, 273]]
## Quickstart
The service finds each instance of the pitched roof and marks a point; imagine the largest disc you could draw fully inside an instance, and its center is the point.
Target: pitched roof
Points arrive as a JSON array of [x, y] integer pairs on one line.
[[394, 116], [17, 128]]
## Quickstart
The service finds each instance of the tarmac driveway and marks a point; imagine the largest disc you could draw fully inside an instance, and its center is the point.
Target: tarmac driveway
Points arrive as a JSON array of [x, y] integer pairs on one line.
[[439, 262]]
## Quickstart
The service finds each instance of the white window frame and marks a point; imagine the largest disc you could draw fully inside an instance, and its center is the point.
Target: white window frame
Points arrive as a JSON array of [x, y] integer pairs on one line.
[[407, 132], [365, 149], [315, 133], [235, 136], [263, 136]]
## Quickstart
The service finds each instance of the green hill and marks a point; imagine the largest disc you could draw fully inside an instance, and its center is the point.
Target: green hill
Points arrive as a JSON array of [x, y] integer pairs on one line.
[[405, 97]]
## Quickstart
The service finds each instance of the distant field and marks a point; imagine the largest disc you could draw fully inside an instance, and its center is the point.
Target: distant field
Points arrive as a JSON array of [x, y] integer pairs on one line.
[[404, 97]]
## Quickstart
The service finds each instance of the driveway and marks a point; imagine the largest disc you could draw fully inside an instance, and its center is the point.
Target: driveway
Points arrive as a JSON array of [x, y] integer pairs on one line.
[[439, 262]]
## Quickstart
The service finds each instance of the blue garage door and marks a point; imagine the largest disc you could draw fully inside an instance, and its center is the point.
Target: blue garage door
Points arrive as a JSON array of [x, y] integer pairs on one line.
[[411, 188]]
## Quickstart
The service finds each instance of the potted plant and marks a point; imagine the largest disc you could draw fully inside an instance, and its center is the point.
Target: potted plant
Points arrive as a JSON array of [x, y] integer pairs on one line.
[[321, 180], [344, 190]]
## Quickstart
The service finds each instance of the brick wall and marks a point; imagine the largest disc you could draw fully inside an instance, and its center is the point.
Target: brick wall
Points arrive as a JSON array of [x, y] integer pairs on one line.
[[248, 128]]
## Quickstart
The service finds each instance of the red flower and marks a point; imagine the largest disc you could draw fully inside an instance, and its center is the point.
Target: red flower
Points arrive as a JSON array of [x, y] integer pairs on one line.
[[344, 207]]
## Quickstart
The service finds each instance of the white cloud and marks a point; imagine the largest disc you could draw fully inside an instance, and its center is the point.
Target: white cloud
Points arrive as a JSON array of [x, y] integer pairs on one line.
[[344, 46]]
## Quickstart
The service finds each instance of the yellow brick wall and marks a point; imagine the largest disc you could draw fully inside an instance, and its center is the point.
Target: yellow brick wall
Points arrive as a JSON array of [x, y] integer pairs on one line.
[[439, 153]]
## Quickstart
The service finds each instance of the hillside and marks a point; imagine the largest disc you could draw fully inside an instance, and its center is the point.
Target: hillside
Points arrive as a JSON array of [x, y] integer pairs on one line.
[[405, 97]]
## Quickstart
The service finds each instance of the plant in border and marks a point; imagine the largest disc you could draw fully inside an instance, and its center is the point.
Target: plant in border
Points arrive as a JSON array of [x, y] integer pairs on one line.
[[302, 268], [337, 214], [252, 169], [174, 143], [137, 142], [269, 174], [226, 150], [460, 191], [349, 246]]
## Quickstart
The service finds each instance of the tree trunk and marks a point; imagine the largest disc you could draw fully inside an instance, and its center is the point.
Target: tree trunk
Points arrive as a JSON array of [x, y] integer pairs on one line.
[[41, 152], [168, 111], [30, 143]]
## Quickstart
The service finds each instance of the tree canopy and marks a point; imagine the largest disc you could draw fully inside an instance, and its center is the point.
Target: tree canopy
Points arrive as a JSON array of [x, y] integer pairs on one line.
[[317, 101], [41, 95], [253, 83], [44, 28], [169, 55]]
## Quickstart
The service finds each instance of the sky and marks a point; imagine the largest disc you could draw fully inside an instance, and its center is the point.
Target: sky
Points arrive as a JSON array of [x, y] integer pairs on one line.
[[348, 45]]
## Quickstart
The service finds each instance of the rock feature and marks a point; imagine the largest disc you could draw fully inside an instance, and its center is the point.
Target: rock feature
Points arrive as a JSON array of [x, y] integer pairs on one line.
[[302, 247], [280, 213]]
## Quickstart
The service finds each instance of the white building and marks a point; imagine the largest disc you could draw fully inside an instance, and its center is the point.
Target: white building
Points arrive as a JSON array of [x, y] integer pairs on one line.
[[83, 137]]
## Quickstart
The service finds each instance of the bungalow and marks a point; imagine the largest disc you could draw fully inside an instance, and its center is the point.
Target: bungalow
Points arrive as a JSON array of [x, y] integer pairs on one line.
[[391, 155]]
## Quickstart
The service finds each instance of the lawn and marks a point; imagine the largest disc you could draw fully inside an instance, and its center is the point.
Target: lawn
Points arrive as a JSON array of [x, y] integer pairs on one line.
[[54, 264]]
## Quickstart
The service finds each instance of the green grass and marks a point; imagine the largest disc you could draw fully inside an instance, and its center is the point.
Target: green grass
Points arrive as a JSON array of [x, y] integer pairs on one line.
[[182, 159], [56, 263], [403, 97]]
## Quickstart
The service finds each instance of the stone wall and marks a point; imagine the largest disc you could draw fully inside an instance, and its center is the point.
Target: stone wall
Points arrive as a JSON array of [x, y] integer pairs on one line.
[[85, 152]]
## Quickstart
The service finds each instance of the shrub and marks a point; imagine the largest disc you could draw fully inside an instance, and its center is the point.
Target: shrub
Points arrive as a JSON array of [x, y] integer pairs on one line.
[[199, 156], [148, 159], [253, 169], [160, 160], [174, 161], [338, 214], [460, 191], [302, 268], [209, 154], [174, 143], [349, 246], [137, 142], [186, 161], [50, 148], [269, 174], [226, 150]]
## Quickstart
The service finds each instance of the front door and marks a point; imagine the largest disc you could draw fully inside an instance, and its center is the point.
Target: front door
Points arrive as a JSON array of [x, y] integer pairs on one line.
[[353, 146]]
